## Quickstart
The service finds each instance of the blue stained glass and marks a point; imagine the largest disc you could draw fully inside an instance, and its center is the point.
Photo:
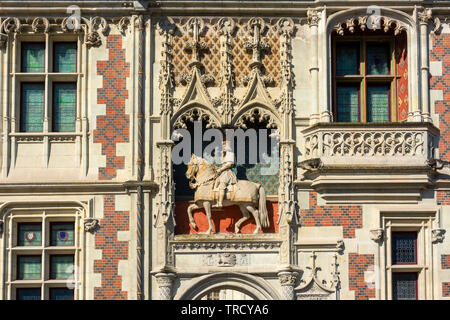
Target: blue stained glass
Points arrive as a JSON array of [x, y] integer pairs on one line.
[[28, 294], [61, 234], [61, 294], [404, 286]]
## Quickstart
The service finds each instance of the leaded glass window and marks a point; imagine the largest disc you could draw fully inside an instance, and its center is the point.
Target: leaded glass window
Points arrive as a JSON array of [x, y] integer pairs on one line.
[[33, 57], [28, 294], [61, 294], [404, 249], [29, 234], [347, 62], [32, 107], [65, 57], [348, 103], [404, 286], [378, 58], [378, 101], [28, 267], [61, 234], [61, 266], [365, 78], [64, 106], [49, 106]]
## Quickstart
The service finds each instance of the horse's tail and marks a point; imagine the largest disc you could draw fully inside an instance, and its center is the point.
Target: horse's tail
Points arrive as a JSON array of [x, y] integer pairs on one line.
[[263, 215]]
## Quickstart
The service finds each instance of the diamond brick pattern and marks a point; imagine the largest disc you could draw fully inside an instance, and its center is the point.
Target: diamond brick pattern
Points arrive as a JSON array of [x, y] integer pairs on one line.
[[441, 52], [112, 251], [401, 60], [358, 264], [114, 126], [347, 216], [241, 58], [445, 261]]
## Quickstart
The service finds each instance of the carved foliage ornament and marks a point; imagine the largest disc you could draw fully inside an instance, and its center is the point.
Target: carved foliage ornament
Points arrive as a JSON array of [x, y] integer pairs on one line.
[[92, 27], [369, 22]]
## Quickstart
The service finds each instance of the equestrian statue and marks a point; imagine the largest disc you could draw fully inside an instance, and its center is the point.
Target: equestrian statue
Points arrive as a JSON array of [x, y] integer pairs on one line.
[[218, 187]]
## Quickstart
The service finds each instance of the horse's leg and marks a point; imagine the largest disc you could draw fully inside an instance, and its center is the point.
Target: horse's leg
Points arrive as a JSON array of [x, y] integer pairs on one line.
[[207, 206], [191, 208], [245, 215], [255, 214]]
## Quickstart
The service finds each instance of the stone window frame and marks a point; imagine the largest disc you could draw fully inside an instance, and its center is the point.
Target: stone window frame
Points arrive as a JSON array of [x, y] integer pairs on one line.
[[45, 214], [363, 78], [408, 218], [10, 102], [48, 78]]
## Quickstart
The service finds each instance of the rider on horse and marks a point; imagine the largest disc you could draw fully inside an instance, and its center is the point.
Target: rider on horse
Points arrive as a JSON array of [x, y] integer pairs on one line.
[[226, 176]]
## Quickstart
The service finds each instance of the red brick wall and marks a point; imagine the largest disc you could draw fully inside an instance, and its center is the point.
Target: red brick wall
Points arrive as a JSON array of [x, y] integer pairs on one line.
[[357, 265], [113, 127], [347, 216], [112, 250], [445, 261], [446, 289], [443, 197]]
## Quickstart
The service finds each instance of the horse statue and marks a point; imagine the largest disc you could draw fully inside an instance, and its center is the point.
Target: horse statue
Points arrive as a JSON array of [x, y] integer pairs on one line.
[[249, 196]]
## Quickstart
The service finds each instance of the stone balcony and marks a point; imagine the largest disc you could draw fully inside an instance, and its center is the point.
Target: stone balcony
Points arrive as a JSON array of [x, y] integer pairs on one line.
[[356, 161]]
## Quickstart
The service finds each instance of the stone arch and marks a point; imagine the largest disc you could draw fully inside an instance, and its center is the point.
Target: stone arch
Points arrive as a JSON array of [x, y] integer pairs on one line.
[[390, 20], [257, 111], [253, 286], [192, 112]]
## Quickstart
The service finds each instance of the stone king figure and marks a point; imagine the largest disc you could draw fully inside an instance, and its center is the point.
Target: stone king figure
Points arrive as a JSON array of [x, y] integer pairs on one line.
[[226, 176]]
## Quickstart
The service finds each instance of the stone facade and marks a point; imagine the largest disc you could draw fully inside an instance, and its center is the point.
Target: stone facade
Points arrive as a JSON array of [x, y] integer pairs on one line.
[[146, 68]]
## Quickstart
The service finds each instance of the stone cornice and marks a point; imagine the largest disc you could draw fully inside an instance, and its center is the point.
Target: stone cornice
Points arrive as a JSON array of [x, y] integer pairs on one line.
[[73, 187]]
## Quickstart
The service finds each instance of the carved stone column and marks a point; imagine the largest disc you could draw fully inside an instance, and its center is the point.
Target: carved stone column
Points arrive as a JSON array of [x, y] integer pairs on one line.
[[165, 283], [287, 280], [313, 22], [424, 17]]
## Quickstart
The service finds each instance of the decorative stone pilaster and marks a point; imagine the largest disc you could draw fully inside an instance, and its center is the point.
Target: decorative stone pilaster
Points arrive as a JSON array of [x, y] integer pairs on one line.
[[287, 281], [313, 22], [424, 17], [165, 283]]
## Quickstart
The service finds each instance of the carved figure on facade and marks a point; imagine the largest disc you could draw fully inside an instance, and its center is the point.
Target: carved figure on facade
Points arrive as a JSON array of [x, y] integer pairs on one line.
[[250, 197]]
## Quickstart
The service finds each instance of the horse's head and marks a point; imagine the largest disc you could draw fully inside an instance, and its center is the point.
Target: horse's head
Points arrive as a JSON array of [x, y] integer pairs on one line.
[[192, 167], [198, 166]]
